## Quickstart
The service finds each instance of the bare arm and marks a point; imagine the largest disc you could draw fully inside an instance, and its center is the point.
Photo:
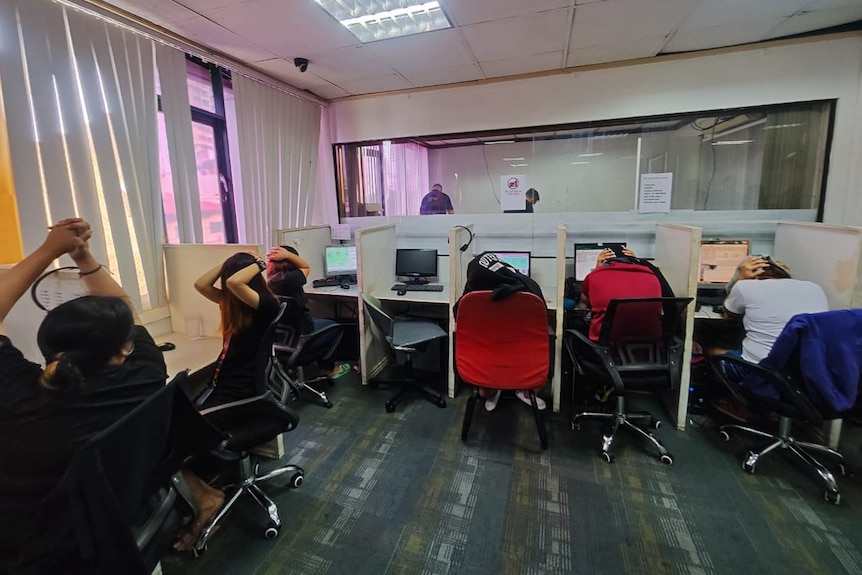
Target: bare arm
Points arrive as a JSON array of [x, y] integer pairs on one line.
[[278, 254], [238, 285], [63, 238], [206, 284]]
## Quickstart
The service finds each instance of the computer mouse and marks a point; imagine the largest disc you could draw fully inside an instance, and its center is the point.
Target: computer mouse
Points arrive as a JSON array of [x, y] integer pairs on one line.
[[402, 292], [167, 346], [344, 285]]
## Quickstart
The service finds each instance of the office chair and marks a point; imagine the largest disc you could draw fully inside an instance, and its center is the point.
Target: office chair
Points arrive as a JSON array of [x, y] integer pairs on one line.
[[247, 423], [502, 345], [811, 375], [407, 336], [638, 349], [120, 503], [293, 350]]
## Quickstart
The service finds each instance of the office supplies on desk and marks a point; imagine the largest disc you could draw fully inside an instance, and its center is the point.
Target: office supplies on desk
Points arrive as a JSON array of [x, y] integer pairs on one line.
[[710, 295], [586, 255], [335, 281], [416, 287]]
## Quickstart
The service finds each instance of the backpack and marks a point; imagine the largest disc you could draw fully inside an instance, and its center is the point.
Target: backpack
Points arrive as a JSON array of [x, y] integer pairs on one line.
[[488, 272]]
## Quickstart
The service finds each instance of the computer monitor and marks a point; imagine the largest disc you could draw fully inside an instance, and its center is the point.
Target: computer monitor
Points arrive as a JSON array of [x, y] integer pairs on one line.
[[586, 255], [719, 259], [416, 264], [518, 260], [339, 260]]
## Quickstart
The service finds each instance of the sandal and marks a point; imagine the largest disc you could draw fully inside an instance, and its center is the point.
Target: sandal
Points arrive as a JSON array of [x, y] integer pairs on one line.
[[340, 370]]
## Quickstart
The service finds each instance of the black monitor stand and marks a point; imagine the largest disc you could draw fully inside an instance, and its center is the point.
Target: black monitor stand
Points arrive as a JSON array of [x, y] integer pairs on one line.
[[416, 280]]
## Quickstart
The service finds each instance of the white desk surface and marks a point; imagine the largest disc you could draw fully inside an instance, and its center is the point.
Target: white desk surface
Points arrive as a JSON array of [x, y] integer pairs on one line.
[[333, 291], [192, 354], [706, 312], [416, 296]]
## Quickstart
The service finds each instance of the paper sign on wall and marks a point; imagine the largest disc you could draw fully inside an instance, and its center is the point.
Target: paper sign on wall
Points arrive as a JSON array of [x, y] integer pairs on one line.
[[340, 231], [655, 193], [512, 191]]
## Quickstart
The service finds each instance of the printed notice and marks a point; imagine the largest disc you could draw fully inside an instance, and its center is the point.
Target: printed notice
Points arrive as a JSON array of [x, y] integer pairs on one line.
[[655, 193], [512, 192]]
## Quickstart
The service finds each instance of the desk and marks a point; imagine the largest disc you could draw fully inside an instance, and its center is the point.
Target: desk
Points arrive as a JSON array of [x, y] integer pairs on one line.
[[707, 313], [440, 297], [191, 354]]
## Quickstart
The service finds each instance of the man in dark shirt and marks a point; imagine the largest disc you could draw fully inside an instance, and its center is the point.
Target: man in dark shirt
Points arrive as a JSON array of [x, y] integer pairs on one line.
[[436, 202]]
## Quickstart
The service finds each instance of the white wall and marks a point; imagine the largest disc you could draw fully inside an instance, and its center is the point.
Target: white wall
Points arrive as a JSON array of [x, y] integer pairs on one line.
[[810, 70]]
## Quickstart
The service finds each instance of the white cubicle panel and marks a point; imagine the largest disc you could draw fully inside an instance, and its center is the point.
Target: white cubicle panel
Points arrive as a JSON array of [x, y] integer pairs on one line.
[[310, 243], [185, 263], [561, 271], [828, 255], [375, 255], [677, 254], [460, 236]]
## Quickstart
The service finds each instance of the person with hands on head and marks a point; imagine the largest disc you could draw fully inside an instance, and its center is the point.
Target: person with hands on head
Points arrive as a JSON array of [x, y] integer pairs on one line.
[[101, 363], [287, 273]]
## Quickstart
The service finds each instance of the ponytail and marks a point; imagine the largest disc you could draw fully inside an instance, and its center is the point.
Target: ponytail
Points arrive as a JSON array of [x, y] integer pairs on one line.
[[61, 375]]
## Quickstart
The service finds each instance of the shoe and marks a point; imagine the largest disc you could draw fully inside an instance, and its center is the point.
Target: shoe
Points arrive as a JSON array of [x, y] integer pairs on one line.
[[523, 396], [339, 371], [491, 402]]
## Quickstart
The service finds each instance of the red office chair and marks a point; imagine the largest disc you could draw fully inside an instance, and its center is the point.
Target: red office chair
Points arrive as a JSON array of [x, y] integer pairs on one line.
[[502, 345]]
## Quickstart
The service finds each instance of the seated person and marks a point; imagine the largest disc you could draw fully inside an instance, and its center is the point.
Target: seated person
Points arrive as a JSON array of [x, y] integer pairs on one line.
[[436, 202], [764, 307], [101, 363], [286, 273], [615, 278], [487, 272]]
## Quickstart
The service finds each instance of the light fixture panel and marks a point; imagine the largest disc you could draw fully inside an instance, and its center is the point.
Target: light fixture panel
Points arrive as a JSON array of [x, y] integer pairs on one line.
[[371, 20]]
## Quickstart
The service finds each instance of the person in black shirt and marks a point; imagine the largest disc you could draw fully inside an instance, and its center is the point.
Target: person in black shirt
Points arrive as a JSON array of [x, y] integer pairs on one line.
[[287, 273], [101, 363]]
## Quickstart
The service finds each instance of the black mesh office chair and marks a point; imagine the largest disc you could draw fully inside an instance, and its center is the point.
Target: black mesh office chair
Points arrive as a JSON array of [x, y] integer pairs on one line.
[[638, 349], [119, 506], [293, 350], [407, 336], [783, 384], [248, 423]]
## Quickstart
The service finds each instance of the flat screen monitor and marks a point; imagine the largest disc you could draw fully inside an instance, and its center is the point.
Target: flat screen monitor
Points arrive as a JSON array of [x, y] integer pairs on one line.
[[339, 260], [719, 259], [518, 260], [416, 263], [586, 255]]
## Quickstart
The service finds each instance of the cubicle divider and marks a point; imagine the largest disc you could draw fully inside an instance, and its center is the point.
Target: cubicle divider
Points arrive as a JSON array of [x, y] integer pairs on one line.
[[677, 254], [184, 263], [310, 243], [375, 255], [458, 260], [561, 273], [828, 255]]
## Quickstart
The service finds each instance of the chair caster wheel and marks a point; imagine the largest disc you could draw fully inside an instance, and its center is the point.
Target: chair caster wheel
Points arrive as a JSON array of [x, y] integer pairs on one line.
[[667, 459], [441, 403], [328, 404], [842, 469], [296, 480], [389, 407], [271, 532], [749, 463], [832, 497], [655, 423], [725, 436], [608, 457]]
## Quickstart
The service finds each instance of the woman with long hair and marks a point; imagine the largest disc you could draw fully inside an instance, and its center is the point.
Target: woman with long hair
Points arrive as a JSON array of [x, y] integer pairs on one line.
[[100, 363], [287, 273]]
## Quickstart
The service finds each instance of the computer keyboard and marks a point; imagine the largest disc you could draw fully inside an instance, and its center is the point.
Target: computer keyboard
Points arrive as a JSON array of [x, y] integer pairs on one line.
[[417, 287], [333, 282]]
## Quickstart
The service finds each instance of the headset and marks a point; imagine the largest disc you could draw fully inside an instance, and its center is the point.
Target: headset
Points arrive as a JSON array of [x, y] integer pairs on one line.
[[464, 247]]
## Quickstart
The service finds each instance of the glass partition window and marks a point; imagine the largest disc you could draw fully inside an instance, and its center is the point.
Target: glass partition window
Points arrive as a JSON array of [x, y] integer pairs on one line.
[[758, 158]]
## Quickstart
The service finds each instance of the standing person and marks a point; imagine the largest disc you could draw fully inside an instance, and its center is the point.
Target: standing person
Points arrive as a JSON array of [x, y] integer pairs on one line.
[[436, 202], [101, 363], [531, 197], [287, 273]]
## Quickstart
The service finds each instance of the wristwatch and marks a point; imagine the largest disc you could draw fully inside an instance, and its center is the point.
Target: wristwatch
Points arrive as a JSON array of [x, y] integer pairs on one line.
[[261, 264]]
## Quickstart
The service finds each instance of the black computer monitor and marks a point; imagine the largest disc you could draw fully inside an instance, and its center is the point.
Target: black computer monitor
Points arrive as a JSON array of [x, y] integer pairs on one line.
[[719, 259], [416, 264], [518, 260], [339, 260], [586, 255]]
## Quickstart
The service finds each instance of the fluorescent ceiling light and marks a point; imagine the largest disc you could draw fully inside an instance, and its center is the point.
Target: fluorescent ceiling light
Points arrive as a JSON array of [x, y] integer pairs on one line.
[[518, 165], [592, 155], [579, 163], [512, 159], [779, 126], [499, 142], [731, 142], [371, 20]]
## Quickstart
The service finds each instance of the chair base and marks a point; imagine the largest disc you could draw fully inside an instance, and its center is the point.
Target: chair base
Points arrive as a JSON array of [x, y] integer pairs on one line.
[[299, 385], [801, 449], [251, 476], [537, 414], [620, 419], [411, 385]]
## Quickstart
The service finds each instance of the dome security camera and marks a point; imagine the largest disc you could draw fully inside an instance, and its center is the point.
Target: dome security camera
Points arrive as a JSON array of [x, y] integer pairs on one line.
[[301, 63]]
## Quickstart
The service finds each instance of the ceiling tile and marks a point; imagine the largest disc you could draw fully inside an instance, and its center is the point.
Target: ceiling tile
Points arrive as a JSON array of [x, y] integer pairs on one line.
[[444, 75], [723, 12], [523, 64], [345, 64], [816, 20], [214, 36], [623, 20], [615, 52], [533, 34], [155, 11], [285, 71], [718, 36], [378, 84], [438, 48], [463, 12], [203, 6]]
